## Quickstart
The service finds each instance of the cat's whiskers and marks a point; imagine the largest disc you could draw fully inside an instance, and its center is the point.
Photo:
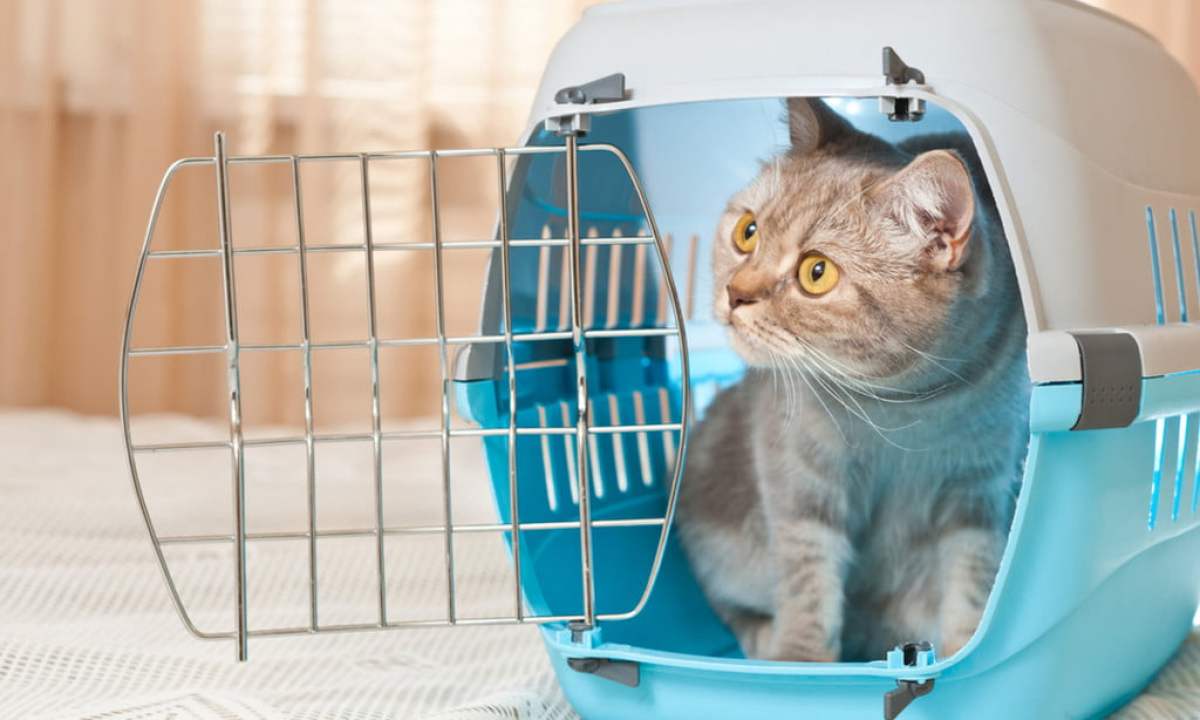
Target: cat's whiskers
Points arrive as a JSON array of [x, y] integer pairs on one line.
[[936, 361], [866, 388], [813, 391], [840, 384], [856, 376], [831, 385], [781, 359], [774, 357], [846, 399], [793, 393], [848, 382]]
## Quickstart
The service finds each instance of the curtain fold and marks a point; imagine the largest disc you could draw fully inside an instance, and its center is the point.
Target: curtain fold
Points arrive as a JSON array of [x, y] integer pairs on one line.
[[97, 97]]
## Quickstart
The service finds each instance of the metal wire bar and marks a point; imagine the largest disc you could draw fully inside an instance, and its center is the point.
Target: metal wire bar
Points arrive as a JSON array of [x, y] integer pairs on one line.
[[408, 342], [310, 461], [413, 245], [376, 415], [389, 155], [685, 383], [396, 435], [399, 625], [235, 393], [413, 530], [581, 408], [399, 246], [439, 282], [514, 499], [184, 254], [180, 350], [123, 393]]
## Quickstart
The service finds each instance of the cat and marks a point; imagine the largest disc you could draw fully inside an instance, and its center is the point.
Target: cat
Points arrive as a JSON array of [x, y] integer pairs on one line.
[[854, 490]]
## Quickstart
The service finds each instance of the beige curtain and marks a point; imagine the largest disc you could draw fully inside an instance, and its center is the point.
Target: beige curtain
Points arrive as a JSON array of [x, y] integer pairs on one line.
[[97, 97], [1176, 24]]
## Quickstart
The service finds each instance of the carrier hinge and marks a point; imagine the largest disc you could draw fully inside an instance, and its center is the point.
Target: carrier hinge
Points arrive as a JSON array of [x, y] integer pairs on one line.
[[624, 672], [896, 72], [1111, 365], [913, 655], [608, 89]]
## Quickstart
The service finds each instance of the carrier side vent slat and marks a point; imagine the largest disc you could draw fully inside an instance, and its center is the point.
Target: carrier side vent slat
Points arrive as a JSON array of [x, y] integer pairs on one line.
[[1160, 317], [1195, 438], [1177, 251], [1180, 463], [1155, 268]]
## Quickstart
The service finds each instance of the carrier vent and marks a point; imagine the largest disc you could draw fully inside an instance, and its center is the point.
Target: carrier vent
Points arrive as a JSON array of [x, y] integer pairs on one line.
[[1175, 457], [621, 463], [617, 287], [1175, 438]]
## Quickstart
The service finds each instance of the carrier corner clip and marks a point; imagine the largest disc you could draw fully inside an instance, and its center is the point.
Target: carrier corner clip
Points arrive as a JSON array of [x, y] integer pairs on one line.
[[914, 655]]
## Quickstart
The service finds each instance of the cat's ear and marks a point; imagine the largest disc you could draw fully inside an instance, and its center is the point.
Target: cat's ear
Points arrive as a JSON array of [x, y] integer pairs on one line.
[[932, 198], [811, 124]]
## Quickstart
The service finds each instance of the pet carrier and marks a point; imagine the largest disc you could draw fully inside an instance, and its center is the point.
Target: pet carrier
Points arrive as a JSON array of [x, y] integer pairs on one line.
[[591, 359]]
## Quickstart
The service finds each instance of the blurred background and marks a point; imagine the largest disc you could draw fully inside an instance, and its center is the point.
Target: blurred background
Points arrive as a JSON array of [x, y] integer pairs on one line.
[[97, 97]]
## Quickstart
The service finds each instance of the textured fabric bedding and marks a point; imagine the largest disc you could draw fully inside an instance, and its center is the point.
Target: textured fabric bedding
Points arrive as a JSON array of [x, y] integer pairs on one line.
[[87, 629]]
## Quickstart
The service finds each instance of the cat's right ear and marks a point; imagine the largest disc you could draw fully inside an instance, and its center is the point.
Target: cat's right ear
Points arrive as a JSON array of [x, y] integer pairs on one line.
[[811, 125], [933, 199]]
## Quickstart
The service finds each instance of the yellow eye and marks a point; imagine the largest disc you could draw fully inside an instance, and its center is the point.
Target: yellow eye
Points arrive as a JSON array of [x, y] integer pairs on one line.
[[745, 233], [818, 275]]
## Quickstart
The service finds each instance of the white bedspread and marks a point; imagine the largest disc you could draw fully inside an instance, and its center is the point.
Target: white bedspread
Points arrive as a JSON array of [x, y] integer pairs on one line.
[[87, 629]]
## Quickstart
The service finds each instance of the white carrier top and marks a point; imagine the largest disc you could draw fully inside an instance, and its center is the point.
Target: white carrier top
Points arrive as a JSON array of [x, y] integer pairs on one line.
[[1082, 120]]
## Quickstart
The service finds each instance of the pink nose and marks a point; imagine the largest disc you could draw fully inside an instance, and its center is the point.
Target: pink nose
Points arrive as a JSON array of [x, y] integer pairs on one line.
[[739, 297]]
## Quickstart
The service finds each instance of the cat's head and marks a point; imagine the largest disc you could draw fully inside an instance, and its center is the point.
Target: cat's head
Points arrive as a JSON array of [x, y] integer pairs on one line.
[[843, 252]]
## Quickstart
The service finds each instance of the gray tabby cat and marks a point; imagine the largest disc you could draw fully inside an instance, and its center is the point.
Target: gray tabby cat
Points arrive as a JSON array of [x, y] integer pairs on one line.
[[854, 491]]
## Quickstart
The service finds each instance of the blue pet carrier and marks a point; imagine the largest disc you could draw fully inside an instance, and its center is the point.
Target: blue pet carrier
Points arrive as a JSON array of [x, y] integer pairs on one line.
[[597, 349]]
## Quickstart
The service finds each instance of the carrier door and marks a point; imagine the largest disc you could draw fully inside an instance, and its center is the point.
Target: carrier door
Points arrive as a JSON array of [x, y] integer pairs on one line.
[[571, 396]]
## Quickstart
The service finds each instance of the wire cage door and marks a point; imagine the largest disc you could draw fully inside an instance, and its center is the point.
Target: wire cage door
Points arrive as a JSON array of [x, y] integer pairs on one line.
[[502, 340]]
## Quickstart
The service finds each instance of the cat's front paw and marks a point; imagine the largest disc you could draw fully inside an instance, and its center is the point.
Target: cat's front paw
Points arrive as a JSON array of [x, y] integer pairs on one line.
[[813, 655], [955, 638], [803, 648]]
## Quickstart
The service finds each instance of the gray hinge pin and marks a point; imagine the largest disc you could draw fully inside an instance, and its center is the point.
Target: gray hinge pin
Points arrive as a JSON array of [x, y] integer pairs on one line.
[[897, 73], [608, 89]]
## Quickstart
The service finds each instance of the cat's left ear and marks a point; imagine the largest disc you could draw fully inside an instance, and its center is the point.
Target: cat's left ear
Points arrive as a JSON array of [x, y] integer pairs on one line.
[[812, 125], [932, 197]]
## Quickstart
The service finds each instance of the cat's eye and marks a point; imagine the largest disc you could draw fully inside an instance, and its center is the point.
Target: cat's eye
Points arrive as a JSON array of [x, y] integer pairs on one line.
[[745, 233], [818, 275]]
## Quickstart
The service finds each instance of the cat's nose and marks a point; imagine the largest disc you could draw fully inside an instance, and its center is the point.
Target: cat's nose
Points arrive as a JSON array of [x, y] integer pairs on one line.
[[739, 296]]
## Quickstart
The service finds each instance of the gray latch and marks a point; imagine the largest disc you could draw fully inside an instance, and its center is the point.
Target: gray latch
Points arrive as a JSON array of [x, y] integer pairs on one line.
[[897, 72], [1112, 380], [624, 672], [912, 655], [608, 89]]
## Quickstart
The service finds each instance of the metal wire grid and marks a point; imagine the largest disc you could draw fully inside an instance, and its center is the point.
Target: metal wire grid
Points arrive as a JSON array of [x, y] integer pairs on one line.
[[577, 333]]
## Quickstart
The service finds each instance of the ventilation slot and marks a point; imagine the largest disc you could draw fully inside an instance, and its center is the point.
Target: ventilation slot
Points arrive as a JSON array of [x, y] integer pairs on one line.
[[1175, 438], [1160, 426], [624, 458]]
